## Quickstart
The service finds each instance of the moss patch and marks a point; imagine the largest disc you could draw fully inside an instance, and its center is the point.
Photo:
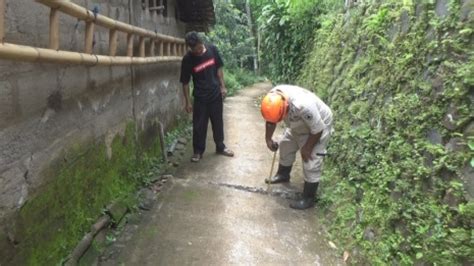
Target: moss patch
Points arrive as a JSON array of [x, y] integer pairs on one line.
[[394, 73], [52, 223]]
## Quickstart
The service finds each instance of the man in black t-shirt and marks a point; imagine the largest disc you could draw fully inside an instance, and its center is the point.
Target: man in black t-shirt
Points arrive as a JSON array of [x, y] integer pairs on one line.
[[204, 64]]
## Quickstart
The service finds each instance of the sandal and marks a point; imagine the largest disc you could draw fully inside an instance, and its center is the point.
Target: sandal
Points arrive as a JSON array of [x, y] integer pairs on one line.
[[196, 157], [226, 152]]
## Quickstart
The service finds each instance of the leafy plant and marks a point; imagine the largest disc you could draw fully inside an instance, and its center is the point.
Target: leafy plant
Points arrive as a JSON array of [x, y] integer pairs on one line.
[[390, 191]]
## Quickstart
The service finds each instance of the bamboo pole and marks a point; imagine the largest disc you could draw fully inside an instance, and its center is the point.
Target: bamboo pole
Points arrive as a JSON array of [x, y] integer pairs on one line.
[[129, 44], [32, 54], [184, 49], [152, 47], [2, 20], [82, 13], [54, 29], [175, 49], [141, 51], [113, 35], [89, 40], [160, 49]]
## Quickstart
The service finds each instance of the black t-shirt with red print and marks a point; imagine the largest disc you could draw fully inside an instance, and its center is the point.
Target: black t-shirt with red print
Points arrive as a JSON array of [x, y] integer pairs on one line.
[[203, 69]]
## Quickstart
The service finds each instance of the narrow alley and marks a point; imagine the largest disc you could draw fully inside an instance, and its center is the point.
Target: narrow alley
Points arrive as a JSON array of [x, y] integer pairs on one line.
[[220, 212]]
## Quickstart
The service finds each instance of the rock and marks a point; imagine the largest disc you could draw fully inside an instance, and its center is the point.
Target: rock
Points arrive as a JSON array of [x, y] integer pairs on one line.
[[428, 159], [467, 177], [447, 175], [134, 218], [419, 10], [450, 118], [431, 35], [117, 211], [166, 177], [438, 85], [455, 145], [434, 137], [405, 20], [156, 187], [180, 147], [393, 32], [369, 234], [13, 189], [402, 228], [442, 8], [396, 195], [155, 179], [451, 199], [8, 249], [467, 9], [469, 130], [427, 184], [147, 199], [183, 141]]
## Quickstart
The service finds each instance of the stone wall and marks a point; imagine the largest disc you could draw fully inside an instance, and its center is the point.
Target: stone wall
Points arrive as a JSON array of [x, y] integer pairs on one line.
[[47, 109], [398, 187]]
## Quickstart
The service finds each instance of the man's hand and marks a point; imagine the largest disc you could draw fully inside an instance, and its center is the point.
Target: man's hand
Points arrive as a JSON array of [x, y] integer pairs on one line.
[[272, 145], [223, 92], [306, 153], [189, 108]]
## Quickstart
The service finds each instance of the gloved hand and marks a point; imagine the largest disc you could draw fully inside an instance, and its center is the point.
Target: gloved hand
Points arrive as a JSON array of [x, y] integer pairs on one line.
[[272, 145]]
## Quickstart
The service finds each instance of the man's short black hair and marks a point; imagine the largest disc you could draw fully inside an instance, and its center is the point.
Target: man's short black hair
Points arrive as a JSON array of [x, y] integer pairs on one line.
[[192, 39]]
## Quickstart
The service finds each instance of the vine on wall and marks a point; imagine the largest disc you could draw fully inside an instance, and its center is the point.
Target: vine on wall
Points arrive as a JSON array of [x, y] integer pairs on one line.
[[399, 78]]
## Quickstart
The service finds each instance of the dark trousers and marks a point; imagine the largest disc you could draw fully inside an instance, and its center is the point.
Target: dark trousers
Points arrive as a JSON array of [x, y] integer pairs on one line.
[[202, 112]]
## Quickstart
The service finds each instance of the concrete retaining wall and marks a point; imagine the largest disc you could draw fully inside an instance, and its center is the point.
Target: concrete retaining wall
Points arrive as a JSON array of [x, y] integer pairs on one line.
[[46, 109]]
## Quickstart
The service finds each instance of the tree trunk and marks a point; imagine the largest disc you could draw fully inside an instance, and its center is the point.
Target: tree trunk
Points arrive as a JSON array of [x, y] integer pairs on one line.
[[249, 20]]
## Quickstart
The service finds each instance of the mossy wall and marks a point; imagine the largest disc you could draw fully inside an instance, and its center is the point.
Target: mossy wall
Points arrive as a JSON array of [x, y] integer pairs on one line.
[[49, 225], [398, 186]]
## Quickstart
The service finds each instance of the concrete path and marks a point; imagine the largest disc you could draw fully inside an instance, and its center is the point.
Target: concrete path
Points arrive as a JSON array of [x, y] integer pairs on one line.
[[220, 212]]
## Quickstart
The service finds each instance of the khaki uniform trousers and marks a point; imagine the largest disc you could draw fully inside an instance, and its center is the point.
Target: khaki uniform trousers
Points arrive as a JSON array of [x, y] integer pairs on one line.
[[292, 142]]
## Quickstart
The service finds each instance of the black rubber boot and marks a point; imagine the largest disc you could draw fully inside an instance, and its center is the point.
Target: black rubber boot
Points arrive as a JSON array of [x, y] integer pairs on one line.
[[282, 175], [309, 193]]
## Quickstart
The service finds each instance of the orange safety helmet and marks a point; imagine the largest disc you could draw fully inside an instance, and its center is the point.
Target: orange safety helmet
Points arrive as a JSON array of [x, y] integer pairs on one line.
[[274, 106]]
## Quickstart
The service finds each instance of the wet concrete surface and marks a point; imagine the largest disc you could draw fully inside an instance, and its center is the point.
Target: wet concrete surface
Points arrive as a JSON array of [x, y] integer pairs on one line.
[[220, 212]]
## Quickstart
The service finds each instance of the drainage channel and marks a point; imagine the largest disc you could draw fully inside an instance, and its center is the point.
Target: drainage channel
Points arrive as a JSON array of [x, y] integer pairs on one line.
[[274, 192]]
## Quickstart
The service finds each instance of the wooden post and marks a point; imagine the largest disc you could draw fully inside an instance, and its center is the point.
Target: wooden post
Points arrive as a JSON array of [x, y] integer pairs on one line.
[[175, 51], [141, 50], [89, 37], [54, 29], [113, 42], [152, 47], [2, 20], [168, 50], [172, 50], [129, 44], [160, 50]]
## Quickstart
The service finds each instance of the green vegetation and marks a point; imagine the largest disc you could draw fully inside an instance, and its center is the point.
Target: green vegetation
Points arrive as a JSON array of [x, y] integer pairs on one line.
[[235, 41], [236, 79], [286, 29], [51, 224], [399, 79]]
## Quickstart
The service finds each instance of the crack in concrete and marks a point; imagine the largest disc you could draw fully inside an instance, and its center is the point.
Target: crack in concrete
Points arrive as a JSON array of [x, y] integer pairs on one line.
[[274, 192]]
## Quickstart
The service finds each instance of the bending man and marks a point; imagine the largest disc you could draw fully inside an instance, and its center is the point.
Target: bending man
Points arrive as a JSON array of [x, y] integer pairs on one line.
[[309, 127]]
